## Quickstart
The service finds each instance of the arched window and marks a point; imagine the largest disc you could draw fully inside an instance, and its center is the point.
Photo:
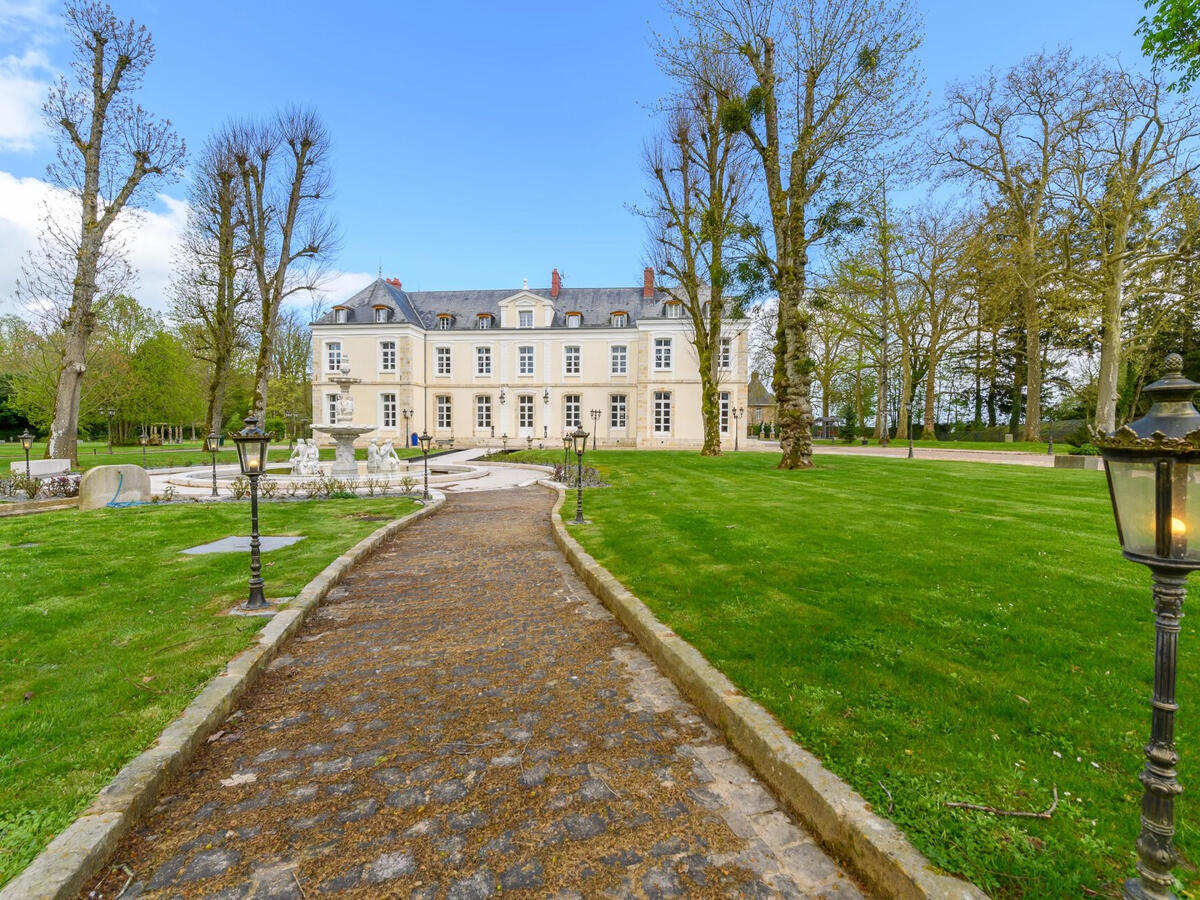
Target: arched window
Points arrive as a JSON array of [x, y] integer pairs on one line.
[[574, 319], [619, 318]]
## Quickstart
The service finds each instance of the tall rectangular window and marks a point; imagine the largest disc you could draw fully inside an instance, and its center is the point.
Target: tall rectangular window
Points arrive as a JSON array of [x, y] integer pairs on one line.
[[572, 415], [662, 412], [333, 356], [725, 358], [524, 360], [483, 411], [483, 360], [525, 410], [571, 356], [387, 356], [662, 353], [525, 318], [331, 402], [442, 355], [620, 359], [388, 402], [443, 411], [381, 315], [724, 412], [616, 410]]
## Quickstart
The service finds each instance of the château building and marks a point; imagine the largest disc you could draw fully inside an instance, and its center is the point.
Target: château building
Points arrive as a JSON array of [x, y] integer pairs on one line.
[[529, 363]]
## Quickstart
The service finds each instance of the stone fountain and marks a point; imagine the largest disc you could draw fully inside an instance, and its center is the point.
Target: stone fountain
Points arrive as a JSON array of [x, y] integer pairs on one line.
[[344, 433]]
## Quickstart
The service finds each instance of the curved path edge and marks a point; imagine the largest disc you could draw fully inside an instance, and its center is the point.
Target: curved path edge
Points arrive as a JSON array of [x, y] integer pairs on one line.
[[81, 850], [838, 816]]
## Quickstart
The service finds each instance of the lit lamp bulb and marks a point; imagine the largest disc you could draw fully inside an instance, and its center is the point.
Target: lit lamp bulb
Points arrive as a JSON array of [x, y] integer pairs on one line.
[[1178, 527]]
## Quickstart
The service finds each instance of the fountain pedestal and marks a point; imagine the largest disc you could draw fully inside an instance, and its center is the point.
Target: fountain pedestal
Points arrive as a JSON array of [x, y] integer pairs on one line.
[[344, 433]]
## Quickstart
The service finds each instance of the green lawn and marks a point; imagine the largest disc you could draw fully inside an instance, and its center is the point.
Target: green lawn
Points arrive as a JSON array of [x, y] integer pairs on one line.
[[189, 453], [952, 631], [109, 632]]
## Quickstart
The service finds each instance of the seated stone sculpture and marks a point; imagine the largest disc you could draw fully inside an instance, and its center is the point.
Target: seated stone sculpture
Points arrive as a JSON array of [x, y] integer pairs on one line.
[[388, 460]]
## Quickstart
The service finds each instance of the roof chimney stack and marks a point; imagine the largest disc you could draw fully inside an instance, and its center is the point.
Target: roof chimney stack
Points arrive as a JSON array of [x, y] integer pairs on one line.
[[555, 284], [395, 282], [648, 283]]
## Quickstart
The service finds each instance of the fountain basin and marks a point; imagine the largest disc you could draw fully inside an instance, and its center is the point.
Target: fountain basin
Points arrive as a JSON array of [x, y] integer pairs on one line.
[[344, 464]]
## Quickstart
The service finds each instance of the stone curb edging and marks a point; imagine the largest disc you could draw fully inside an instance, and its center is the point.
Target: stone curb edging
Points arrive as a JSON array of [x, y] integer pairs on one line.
[[60, 871], [24, 507], [840, 819]]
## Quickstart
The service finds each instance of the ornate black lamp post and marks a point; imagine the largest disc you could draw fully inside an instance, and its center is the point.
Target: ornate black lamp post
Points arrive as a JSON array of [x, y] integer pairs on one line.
[[737, 414], [143, 439], [545, 417], [1153, 468], [595, 414], [566, 450], [211, 444], [1050, 443], [109, 413], [579, 440], [26, 445], [252, 444], [407, 414], [426, 439]]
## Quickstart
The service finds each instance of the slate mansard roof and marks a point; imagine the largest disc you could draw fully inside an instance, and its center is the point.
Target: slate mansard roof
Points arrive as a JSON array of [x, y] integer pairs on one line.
[[422, 308]]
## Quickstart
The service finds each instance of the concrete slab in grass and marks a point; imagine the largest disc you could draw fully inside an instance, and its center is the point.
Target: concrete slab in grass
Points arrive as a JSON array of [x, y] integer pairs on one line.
[[242, 545]]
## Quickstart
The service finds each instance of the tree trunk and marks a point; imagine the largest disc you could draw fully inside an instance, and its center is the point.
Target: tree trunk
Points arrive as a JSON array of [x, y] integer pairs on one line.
[[793, 378], [902, 408], [881, 413], [929, 431], [1033, 366], [64, 430], [710, 401], [1110, 340]]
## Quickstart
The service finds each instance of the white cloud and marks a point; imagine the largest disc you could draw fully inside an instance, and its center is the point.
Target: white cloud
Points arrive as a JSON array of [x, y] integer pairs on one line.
[[25, 70], [150, 235]]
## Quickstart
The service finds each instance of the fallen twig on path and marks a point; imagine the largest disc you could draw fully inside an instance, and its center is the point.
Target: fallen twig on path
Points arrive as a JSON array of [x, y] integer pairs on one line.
[[1007, 812], [299, 886], [129, 872]]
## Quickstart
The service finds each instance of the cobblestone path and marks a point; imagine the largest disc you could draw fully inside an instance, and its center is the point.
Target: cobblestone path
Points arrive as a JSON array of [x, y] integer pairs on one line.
[[463, 719]]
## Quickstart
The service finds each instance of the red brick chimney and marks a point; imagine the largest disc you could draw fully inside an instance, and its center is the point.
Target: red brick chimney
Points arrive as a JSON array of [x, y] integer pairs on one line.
[[395, 282], [555, 284], [647, 283]]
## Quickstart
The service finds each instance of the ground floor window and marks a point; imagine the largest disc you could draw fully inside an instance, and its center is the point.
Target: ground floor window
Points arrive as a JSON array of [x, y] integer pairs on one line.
[[331, 403], [483, 411], [617, 405], [662, 412], [389, 410], [724, 412], [525, 410], [572, 416], [443, 411]]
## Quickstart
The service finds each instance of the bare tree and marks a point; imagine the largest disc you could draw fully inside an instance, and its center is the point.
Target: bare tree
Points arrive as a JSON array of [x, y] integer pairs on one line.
[[1012, 134], [935, 244], [696, 221], [212, 286], [285, 177], [1125, 167], [109, 152], [826, 82]]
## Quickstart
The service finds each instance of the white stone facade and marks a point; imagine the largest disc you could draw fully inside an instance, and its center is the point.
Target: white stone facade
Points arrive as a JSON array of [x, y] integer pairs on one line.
[[542, 361]]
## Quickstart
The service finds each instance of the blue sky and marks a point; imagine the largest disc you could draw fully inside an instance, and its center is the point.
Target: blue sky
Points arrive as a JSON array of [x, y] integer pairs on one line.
[[476, 143]]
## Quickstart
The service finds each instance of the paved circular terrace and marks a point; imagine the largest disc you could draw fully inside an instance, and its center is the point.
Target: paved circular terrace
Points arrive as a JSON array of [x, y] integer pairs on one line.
[[464, 719]]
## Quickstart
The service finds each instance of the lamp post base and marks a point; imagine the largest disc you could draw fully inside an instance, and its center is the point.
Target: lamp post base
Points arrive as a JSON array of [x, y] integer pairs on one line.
[[1133, 889]]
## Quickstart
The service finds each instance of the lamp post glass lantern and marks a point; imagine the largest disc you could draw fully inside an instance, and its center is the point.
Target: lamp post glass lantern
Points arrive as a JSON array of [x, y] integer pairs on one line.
[[1153, 470], [579, 440], [426, 439], [252, 444], [566, 439], [26, 445], [211, 444]]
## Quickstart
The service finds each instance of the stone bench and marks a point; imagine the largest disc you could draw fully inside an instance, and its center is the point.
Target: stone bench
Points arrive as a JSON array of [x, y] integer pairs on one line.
[[443, 443], [41, 468]]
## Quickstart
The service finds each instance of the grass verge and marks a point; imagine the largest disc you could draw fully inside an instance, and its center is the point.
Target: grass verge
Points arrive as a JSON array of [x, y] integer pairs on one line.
[[933, 631], [110, 632]]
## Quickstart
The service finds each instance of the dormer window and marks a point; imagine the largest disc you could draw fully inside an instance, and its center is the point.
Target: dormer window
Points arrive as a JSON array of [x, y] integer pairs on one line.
[[674, 309], [574, 319], [619, 319], [341, 315], [381, 313], [525, 318], [484, 320], [444, 321]]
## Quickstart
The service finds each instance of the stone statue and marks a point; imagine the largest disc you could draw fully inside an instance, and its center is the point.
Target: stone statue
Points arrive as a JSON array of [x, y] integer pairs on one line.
[[345, 408], [312, 456], [388, 460], [373, 455], [297, 457]]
